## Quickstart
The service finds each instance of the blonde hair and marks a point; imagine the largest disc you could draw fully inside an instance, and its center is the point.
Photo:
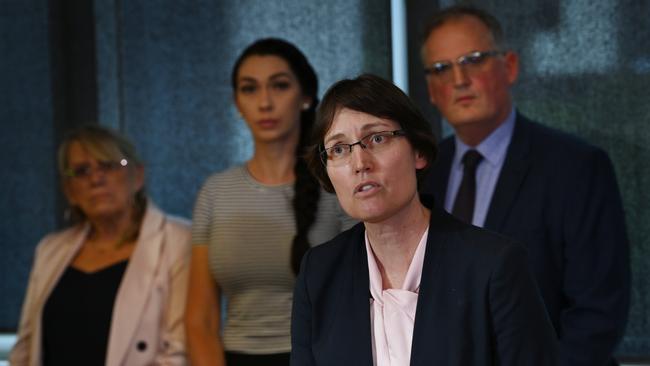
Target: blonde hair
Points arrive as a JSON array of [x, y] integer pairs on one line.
[[103, 144]]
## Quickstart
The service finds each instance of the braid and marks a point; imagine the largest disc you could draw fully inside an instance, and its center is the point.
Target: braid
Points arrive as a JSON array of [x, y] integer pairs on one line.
[[306, 194], [306, 188]]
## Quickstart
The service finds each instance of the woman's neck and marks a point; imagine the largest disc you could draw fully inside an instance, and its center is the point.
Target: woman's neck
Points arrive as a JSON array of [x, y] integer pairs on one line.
[[394, 242], [273, 163], [109, 232]]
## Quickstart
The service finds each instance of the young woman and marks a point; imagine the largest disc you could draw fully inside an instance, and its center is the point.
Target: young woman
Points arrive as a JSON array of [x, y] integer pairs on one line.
[[252, 223], [410, 284]]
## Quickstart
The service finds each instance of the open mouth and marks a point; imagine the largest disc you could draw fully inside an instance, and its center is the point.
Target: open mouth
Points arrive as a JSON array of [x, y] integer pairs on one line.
[[365, 187]]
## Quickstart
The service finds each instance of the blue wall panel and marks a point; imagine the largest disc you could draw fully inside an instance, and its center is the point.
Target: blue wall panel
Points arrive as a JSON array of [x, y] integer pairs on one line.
[[28, 188], [172, 62]]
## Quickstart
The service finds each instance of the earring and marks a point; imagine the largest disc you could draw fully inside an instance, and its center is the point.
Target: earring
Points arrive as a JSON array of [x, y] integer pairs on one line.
[[306, 106]]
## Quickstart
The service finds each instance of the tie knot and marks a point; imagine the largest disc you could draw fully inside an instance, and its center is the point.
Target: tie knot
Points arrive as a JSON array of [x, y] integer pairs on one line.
[[471, 159]]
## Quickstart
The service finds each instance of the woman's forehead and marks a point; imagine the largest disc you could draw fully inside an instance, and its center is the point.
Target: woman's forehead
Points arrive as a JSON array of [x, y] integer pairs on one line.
[[351, 122]]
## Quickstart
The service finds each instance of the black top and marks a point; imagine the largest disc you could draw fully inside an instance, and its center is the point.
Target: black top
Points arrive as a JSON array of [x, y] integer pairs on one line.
[[77, 316]]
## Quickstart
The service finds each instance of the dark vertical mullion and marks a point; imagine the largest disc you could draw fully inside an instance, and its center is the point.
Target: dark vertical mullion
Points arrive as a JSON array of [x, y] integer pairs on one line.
[[417, 14], [73, 68], [119, 22]]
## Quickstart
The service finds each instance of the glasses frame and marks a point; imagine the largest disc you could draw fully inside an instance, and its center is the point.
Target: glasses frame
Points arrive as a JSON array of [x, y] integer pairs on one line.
[[104, 167], [440, 68], [324, 151]]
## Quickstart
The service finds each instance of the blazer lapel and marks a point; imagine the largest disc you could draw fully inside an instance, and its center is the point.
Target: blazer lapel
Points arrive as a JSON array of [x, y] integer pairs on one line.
[[360, 325], [512, 175], [439, 175], [61, 259], [57, 262], [427, 310], [135, 288]]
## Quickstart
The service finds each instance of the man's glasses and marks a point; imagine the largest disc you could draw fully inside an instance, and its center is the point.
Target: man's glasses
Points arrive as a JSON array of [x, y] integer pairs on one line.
[[339, 154], [104, 167], [471, 63]]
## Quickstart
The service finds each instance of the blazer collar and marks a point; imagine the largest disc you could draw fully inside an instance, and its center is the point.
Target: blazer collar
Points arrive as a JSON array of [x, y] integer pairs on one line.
[[135, 289], [512, 175], [66, 248], [69, 245], [360, 329], [442, 228], [437, 184]]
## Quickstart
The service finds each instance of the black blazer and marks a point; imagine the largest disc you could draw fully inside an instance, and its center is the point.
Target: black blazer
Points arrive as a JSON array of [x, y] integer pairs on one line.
[[558, 196], [478, 303]]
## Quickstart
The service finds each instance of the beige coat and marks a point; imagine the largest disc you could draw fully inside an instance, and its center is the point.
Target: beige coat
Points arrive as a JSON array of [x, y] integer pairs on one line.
[[150, 301]]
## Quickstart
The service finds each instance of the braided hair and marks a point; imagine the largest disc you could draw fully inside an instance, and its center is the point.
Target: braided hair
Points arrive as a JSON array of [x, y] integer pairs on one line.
[[306, 187]]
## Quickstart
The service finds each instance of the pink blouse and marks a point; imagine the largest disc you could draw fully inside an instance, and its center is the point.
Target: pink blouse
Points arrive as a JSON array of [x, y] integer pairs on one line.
[[392, 311]]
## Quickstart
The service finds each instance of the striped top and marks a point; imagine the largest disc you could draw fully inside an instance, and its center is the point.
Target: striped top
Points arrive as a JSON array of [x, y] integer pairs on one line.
[[249, 228]]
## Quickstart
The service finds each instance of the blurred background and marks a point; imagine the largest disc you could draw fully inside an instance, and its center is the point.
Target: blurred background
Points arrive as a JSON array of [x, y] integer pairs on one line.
[[159, 71]]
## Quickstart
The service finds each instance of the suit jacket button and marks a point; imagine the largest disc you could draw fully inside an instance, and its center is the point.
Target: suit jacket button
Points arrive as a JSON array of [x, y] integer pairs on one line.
[[141, 346]]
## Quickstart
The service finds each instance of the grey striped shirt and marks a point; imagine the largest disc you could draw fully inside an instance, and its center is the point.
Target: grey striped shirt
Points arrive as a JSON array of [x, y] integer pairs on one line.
[[248, 228]]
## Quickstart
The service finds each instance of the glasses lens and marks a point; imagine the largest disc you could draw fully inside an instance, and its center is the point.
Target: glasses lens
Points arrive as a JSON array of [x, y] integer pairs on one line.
[[79, 171], [475, 58], [440, 68], [85, 170], [336, 154], [339, 154], [377, 140]]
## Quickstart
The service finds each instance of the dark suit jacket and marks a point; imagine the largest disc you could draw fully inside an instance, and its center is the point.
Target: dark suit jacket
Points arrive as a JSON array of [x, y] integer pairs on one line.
[[558, 196], [478, 303]]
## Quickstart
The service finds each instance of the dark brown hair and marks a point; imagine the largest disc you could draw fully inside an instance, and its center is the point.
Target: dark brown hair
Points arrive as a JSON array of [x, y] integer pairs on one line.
[[306, 188], [377, 97]]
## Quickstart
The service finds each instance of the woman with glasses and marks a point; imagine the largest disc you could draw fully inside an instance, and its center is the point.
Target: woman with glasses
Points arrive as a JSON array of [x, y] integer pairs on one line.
[[110, 290], [252, 223], [410, 284]]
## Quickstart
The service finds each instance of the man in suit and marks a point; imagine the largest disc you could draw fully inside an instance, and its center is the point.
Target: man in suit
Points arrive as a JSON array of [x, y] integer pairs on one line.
[[553, 192]]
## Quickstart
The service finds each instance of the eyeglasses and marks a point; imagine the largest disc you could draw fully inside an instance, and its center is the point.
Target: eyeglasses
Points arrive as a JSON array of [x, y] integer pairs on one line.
[[471, 63], [339, 154], [85, 170]]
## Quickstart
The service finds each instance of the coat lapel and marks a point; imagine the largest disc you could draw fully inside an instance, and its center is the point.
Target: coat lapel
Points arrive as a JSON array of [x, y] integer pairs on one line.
[[134, 290], [362, 353], [439, 174], [512, 175], [427, 309], [57, 261]]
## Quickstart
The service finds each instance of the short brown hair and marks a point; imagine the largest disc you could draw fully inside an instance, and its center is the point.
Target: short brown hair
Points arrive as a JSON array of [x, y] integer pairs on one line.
[[377, 97], [459, 11]]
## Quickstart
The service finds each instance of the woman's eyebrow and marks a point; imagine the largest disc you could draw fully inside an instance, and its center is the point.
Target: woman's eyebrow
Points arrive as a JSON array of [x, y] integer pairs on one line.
[[367, 128]]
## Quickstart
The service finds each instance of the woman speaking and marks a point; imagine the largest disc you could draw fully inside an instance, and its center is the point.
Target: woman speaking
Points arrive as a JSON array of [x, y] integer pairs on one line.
[[410, 284]]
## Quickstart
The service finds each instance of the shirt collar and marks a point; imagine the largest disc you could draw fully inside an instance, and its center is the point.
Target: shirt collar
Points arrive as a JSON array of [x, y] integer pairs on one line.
[[413, 275], [492, 148]]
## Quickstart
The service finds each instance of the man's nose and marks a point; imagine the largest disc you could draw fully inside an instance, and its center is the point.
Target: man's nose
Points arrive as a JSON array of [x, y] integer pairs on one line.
[[459, 74]]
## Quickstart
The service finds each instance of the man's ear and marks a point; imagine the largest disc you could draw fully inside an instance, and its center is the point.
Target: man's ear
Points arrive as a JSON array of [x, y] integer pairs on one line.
[[432, 97], [511, 60]]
